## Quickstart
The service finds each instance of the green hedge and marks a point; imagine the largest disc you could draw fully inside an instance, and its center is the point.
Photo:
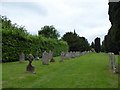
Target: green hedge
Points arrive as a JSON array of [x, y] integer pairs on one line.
[[15, 40], [13, 44]]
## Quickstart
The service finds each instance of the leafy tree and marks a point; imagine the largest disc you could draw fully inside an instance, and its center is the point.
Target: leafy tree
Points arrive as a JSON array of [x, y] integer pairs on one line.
[[75, 42], [15, 39], [111, 41], [97, 45], [49, 32], [92, 45]]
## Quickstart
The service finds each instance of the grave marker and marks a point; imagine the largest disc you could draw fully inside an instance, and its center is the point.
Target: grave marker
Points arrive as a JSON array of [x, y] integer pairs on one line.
[[30, 68], [21, 57], [45, 57], [112, 62]]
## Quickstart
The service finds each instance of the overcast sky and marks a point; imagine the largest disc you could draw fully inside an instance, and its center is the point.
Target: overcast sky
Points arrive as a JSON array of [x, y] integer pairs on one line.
[[89, 18]]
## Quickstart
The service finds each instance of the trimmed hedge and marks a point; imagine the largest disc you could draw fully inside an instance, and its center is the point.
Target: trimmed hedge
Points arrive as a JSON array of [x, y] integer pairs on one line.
[[12, 45], [16, 40]]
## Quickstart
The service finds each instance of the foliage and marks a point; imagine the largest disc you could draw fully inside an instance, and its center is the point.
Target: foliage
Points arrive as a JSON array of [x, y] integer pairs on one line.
[[97, 45], [75, 42], [49, 32], [111, 41], [15, 39], [92, 45]]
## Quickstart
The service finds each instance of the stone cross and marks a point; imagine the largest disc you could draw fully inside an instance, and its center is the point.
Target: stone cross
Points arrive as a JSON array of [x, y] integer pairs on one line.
[[30, 68], [45, 57], [21, 57]]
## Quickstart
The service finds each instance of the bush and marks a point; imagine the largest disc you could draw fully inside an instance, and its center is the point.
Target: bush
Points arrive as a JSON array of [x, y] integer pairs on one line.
[[16, 40]]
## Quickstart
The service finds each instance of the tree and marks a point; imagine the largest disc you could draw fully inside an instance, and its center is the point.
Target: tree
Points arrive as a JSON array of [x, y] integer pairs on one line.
[[92, 45], [97, 45], [111, 41], [75, 42], [49, 32]]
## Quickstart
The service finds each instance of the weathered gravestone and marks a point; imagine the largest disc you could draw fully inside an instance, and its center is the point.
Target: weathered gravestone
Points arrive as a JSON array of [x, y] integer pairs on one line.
[[21, 57], [62, 57], [73, 54], [36, 56], [51, 57], [30, 68], [45, 57], [112, 62], [76, 54], [70, 54], [67, 55]]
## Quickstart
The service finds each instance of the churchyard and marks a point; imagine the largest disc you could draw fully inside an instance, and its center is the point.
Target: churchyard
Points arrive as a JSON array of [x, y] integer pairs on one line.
[[91, 70]]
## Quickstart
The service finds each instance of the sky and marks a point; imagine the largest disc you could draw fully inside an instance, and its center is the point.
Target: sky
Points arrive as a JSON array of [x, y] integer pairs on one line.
[[89, 18]]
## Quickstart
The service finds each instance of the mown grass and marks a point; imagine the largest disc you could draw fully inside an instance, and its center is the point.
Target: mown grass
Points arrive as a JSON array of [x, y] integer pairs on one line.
[[0, 76], [88, 71]]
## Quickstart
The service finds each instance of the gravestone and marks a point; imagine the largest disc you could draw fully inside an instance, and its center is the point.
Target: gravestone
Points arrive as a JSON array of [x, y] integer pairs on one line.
[[70, 54], [62, 57], [50, 55], [112, 62], [30, 68], [74, 54], [45, 57], [36, 56], [67, 55], [21, 57]]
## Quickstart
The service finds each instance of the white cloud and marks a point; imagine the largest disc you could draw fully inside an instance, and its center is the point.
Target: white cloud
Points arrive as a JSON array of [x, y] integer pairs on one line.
[[88, 17]]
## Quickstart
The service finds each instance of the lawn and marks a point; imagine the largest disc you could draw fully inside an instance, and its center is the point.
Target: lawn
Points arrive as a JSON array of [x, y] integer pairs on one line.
[[87, 71]]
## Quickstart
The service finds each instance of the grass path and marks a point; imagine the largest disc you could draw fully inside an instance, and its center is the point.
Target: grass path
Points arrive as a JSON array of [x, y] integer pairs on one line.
[[88, 71]]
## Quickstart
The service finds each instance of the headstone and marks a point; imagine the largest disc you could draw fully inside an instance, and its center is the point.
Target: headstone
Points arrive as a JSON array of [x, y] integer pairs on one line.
[[70, 54], [50, 55], [67, 55], [21, 57], [62, 57], [112, 62], [73, 55], [30, 68], [36, 56], [76, 54], [45, 57]]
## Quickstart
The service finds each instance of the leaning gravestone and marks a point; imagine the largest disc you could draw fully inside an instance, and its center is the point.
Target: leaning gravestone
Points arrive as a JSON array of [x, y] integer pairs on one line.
[[30, 68], [36, 56], [51, 57], [45, 57], [112, 62], [21, 57]]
